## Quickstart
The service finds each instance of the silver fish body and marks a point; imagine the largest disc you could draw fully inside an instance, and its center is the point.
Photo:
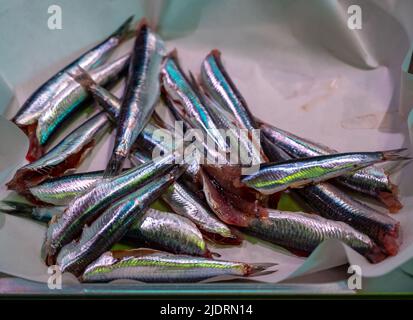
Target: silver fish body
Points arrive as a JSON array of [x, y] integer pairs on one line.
[[169, 232], [334, 204], [151, 138], [295, 173], [164, 230], [187, 204], [156, 266], [35, 104], [140, 97], [304, 232], [331, 203], [111, 226], [178, 87], [219, 85], [69, 99], [64, 156], [372, 181], [61, 191], [243, 151], [86, 207]]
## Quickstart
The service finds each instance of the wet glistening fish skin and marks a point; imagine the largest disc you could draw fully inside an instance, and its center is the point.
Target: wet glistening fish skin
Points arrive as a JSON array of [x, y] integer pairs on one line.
[[141, 94], [372, 180], [164, 230], [66, 155], [332, 203], [34, 105], [69, 99], [112, 224], [169, 232], [187, 204], [179, 88], [155, 266], [61, 190], [87, 206], [304, 232], [295, 173], [220, 86]]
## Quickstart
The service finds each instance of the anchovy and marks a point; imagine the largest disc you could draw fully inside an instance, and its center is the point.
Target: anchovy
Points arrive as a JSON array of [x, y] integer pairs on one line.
[[68, 100], [304, 232], [155, 266], [66, 155], [141, 94], [240, 144], [85, 208], [372, 181], [35, 104], [334, 204], [187, 204], [169, 232], [219, 85], [151, 137], [179, 87], [331, 203], [297, 231], [295, 173], [163, 230], [111, 225], [61, 190]]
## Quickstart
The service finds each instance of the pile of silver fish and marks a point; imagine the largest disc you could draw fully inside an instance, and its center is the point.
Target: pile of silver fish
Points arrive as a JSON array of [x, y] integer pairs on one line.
[[210, 202]]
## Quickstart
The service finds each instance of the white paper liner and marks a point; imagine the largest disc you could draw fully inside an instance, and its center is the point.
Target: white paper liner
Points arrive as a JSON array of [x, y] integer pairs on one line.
[[305, 87]]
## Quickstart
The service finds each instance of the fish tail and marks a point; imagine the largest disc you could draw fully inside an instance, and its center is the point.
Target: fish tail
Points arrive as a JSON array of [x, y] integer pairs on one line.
[[124, 32], [114, 166], [395, 155], [17, 208], [257, 268]]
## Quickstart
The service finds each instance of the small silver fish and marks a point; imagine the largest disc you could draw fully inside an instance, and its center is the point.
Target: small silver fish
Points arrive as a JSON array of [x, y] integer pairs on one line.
[[66, 102], [164, 230], [219, 85], [66, 155], [156, 266], [35, 104], [334, 204], [372, 181], [169, 232], [295, 173], [331, 203], [141, 94], [151, 137], [304, 232], [187, 204], [86, 207], [239, 140], [61, 190], [178, 87], [294, 230], [112, 225]]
